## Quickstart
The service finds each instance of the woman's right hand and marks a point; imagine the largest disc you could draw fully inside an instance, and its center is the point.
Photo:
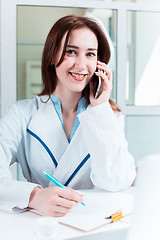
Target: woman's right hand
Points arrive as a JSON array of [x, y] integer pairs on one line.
[[54, 201]]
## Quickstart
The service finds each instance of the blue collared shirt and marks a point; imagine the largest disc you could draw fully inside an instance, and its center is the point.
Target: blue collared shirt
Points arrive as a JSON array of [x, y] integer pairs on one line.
[[82, 105]]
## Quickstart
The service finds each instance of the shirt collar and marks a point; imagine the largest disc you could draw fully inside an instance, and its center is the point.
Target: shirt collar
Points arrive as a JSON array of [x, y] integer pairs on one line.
[[82, 103]]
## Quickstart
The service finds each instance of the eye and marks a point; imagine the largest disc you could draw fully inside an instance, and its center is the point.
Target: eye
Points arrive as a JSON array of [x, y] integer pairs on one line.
[[91, 54], [70, 52]]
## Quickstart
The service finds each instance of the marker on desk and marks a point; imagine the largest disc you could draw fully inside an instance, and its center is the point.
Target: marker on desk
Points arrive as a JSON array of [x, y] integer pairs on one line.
[[117, 216], [54, 180]]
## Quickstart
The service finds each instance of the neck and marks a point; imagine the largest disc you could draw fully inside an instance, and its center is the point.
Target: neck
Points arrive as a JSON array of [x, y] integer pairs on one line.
[[69, 100]]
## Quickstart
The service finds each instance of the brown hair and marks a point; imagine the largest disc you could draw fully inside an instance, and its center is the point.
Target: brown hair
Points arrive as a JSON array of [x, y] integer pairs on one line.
[[66, 25]]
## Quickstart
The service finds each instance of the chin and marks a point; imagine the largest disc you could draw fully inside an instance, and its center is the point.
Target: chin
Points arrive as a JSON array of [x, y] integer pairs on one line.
[[78, 89]]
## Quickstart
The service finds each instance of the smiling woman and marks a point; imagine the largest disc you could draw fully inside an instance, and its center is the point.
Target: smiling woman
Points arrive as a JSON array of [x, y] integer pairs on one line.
[[79, 63], [54, 48], [75, 72], [66, 131]]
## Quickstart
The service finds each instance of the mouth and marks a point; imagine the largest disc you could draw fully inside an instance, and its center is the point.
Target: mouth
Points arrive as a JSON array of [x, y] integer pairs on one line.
[[78, 76]]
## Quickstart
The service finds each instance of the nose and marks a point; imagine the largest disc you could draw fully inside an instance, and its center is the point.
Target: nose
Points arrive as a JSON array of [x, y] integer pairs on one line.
[[80, 62]]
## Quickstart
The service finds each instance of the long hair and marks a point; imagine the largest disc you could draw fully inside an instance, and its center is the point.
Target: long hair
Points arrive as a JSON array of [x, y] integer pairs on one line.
[[53, 41]]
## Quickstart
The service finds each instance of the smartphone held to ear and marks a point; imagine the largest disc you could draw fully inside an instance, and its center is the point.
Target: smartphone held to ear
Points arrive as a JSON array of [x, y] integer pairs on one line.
[[98, 86]]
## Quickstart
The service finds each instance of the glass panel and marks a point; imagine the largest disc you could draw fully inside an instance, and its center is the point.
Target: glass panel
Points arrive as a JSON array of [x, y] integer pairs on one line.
[[28, 70], [34, 24], [0, 95], [0, 63], [143, 71], [143, 135]]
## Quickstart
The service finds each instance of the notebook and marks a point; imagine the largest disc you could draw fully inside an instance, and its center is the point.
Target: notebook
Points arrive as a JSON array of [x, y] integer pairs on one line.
[[145, 220]]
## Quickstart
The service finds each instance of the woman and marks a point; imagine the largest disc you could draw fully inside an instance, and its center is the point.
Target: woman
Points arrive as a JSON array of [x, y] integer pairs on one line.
[[66, 131]]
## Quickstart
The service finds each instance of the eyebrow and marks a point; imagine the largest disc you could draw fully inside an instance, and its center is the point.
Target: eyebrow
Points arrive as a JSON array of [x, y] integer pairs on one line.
[[73, 46]]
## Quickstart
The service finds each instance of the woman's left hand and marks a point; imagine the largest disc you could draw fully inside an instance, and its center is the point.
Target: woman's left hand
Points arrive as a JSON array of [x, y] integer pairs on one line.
[[106, 85]]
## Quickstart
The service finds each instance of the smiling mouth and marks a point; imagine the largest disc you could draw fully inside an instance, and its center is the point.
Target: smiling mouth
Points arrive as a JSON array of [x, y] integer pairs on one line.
[[77, 76]]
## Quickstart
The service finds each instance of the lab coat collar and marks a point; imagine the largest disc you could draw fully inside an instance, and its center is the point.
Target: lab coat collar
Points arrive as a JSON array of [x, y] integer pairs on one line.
[[47, 129]]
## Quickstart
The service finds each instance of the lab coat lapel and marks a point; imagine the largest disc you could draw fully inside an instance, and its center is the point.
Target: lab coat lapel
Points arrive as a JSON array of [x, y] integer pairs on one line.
[[46, 127], [75, 158]]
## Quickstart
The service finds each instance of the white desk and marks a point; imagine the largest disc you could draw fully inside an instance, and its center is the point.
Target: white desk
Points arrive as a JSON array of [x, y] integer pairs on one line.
[[20, 226]]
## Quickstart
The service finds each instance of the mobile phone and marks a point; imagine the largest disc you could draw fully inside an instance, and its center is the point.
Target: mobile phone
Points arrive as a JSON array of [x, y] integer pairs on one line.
[[98, 86]]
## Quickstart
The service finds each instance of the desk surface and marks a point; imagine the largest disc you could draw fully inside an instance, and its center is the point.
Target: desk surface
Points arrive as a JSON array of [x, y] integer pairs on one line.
[[21, 226]]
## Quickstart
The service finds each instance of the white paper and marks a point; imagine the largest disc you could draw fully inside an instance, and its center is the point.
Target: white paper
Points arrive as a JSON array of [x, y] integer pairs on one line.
[[89, 217]]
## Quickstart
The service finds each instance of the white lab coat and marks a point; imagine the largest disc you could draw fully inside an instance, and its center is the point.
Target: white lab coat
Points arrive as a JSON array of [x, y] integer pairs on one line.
[[32, 134]]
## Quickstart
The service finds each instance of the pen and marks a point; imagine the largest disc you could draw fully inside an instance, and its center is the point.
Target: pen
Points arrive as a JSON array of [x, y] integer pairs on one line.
[[54, 180]]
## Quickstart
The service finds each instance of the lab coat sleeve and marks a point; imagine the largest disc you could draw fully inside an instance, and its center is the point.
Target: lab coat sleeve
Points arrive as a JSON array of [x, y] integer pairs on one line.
[[112, 166], [13, 193]]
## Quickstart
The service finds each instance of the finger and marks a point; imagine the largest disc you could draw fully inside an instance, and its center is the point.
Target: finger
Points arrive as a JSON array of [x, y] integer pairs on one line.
[[58, 214], [75, 191], [60, 209], [106, 70], [106, 83], [56, 211], [105, 76], [101, 63], [70, 195], [75, 196], [67, 203], [81, 195], [102, 75]]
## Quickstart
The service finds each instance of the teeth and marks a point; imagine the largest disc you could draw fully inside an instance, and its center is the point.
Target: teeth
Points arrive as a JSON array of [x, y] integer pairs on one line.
[[78, 75]]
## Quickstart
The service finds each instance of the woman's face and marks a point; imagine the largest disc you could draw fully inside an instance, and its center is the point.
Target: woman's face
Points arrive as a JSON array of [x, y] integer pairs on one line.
[[80, 60]]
